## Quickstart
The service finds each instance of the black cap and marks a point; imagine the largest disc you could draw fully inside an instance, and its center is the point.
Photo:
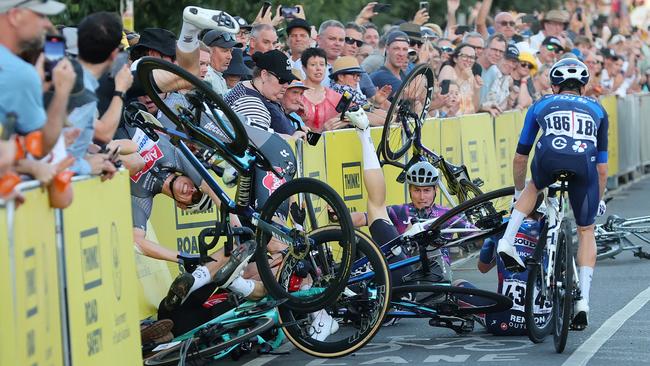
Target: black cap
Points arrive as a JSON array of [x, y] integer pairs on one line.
[[237, 66], [157, 39], [395, 36], [512, 52], [217, 38], [554, 41], [243, 24], [277, 63], [611, 54], [298, 23]]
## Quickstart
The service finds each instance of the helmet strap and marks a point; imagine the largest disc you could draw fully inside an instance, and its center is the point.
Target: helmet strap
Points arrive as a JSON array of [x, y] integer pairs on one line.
[[171, 185]]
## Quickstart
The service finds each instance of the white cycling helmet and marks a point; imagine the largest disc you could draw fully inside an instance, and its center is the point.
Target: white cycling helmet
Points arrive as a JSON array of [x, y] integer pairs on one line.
[[203, 204], [422, 174], [569, 69]]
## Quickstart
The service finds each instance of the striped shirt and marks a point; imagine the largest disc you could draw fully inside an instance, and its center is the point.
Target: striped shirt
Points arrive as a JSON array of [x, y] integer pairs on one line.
[[249, 103]]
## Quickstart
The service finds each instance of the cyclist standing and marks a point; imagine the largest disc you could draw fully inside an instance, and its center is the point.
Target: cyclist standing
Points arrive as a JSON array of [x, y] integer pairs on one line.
[[574, 138]]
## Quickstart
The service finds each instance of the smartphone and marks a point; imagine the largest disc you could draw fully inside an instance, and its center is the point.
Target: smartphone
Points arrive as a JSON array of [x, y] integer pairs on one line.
[[265, 8], [344, 103], [462, 29], [312, 138], [579, 14], [444, 87], [424, 5], [119, 62], [381, 8], [289, 12], [54, 51]]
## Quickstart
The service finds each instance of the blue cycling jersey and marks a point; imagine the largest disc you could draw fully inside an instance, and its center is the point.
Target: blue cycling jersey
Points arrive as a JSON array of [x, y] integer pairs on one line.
[[579, 120]]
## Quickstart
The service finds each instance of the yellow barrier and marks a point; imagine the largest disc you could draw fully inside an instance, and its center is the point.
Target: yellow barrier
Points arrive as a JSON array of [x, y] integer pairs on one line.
[[31, 313], [609, 103], [100, 268]]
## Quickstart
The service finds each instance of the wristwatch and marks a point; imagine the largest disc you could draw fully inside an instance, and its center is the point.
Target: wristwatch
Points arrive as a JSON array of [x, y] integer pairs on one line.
[[120, 94]]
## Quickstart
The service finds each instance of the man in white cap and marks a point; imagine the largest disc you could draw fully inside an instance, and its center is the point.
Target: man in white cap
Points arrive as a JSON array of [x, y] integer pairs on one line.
[[24, 24]]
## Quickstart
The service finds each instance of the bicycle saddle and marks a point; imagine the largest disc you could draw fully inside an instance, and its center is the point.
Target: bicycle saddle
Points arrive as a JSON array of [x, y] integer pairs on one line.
[[563, 174]]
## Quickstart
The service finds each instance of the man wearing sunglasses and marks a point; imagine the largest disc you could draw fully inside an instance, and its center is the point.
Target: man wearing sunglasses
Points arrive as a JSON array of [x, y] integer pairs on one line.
[[221, 44], [504, 23], [550, 50], [353, 42]]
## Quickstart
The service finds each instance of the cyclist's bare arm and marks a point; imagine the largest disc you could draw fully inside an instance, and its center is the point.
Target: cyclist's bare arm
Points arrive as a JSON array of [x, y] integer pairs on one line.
[[151, 249], [519, 168], [602, 178]]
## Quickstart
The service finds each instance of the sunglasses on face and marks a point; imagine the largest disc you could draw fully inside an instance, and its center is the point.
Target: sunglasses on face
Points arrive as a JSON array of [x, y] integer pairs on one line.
[[526, 65], [280, 80], [414, 43], [351, 41], [552, 48], [447, 49], [505, 23]]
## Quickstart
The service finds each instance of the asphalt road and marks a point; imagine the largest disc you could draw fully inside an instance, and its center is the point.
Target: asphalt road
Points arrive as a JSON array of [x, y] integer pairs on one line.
[[619, 330]]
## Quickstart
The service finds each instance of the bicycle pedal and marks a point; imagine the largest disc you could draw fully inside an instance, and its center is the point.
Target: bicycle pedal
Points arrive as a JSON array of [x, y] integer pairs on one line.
[[478, 182]]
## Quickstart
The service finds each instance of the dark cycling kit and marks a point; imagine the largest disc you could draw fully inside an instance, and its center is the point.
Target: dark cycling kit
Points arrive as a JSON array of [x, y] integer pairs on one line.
[[574, 138]]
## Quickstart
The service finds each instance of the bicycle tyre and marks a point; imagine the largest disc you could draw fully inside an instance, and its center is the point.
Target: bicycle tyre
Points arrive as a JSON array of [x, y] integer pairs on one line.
[[468, 190], [335, 285], [400, 101], [536, 332], [252, 326], [607, 249], [355, 341], [236, 131], [563, 295], [497, 302]]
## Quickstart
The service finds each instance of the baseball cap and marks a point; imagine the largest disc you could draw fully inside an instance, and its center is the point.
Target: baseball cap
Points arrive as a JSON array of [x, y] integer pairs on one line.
[[554, 41], [44, 7], [617, 39], [298, 23], [512, 52], [610, 53], [217, 38], [243, 24], [556, 15], [412, 30], [157, 39], [275, 62], [396, 36]]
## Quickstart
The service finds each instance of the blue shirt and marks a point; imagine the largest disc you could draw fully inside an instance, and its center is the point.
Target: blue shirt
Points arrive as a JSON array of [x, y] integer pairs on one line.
[[383, 76], [21, 93], [83, 118], [576, 117]]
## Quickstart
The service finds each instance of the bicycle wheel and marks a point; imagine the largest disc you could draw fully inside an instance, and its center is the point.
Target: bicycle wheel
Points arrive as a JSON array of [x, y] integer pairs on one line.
[[406, 113], [204, 107], [359, 311], [634, 225], [563, 288], [539, 322], [468, 190], [288, 206], [607, 248], [448, 300], [212, 339], [470, 221]]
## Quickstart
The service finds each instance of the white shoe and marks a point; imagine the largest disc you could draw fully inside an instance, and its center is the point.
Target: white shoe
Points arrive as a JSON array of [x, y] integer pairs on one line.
[[509, 256], [210, 19], [323, 326], [580, 315], [358, 118]]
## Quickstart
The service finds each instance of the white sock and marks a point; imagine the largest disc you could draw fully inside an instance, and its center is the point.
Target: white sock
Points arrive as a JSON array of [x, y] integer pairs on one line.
[[201, 278], [584, 274], [370, 160], [188, 40], [516, 218], [242, 286]]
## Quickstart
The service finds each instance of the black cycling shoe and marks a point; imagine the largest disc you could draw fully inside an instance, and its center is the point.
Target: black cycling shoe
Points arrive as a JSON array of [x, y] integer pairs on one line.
[[178, 291], [238, 260]]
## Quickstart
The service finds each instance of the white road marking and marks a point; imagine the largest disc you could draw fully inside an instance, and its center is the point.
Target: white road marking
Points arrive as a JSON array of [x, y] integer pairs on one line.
[[588, 349]]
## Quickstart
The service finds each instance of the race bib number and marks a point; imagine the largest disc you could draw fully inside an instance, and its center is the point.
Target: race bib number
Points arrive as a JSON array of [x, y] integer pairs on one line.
[[516, 290], [576, 125]]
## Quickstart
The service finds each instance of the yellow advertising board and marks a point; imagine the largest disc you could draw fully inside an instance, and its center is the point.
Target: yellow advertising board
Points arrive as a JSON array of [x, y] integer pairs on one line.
[[8, 330], [33, 319], [450, 146], [477, 144], [395, 192], [610, 105], [101, 275], [154, 279], [505, 142]]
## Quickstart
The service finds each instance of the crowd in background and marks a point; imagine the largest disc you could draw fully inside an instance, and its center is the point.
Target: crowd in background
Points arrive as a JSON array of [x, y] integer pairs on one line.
[[287, 75]]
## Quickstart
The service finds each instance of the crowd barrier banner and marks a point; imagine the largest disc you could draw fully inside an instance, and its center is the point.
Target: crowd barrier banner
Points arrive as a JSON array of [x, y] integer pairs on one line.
[[644, 129], [344, 168], [395, 192], [31, 332], [628, 135], [100, 272], [611, 106], [477, 143], [154, 279], [505, 141]]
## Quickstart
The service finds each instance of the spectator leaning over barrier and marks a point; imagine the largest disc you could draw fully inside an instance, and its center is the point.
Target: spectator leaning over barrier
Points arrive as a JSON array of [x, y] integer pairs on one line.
[[99, 38], [319, 102], [221, 44], [553, 24], [504, 23], [236, 71], [23, 24], [258, 99], [522, 77], [397, 44], [298, 39], [292, 100], [459, 69], [550, 50], [331, 38], [496, 48], [353, 42], [263, 39], [497, 82]]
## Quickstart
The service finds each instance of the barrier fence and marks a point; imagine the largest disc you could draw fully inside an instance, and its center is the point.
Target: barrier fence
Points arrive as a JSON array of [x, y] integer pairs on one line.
[[77, 290]]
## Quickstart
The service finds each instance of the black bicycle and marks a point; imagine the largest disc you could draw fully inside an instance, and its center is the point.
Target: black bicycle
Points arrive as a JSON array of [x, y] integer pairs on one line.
[[209, 125], [403, 130]]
